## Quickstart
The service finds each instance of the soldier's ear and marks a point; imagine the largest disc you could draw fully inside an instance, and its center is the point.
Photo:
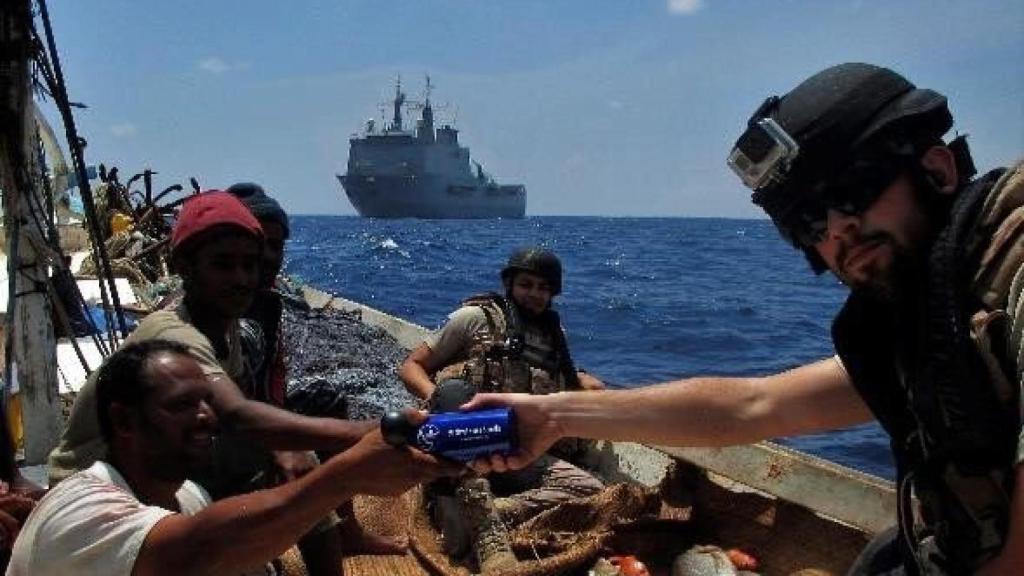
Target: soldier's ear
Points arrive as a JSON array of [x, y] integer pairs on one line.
[[939, 164]]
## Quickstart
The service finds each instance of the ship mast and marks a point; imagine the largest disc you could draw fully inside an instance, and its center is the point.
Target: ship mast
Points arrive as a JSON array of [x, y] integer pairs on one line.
[[396, 121], [427, 116], [30, 338]]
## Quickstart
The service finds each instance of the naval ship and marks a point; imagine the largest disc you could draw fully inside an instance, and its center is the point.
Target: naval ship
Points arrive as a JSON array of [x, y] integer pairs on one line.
[[422, 173]]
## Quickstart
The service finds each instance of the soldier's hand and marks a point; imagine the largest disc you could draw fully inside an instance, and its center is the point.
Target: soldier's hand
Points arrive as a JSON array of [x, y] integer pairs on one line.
[[384, 470], [536, 431]]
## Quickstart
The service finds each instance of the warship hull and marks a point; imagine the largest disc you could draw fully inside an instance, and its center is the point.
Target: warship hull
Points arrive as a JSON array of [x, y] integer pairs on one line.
[[394, 172], [425, 196]]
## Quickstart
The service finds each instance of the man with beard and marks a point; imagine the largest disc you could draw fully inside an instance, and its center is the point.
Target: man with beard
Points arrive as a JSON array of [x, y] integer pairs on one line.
[[217, 247], [135, 512], [510, 343], [852, 169]]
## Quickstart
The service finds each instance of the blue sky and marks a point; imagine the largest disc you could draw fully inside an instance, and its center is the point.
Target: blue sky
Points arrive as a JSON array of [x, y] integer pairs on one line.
[[599, 107]]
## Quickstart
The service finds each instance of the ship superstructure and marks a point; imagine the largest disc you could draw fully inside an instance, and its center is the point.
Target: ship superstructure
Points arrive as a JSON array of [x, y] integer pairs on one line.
[[394, 172]]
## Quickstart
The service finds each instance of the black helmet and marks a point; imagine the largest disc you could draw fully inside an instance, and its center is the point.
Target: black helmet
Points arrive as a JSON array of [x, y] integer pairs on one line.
[[795, 144], [538, 261]]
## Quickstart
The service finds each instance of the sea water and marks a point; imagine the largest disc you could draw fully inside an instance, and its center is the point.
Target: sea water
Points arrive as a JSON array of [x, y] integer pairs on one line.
[[645, 300]]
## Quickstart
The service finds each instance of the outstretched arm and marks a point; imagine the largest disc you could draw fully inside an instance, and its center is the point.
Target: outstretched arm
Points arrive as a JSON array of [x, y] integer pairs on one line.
[[693, 412], [247, 531], [278, 429]]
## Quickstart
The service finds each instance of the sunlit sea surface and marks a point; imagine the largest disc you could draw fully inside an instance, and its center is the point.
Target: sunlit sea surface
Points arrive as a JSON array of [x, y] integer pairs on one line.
[[645, 299]]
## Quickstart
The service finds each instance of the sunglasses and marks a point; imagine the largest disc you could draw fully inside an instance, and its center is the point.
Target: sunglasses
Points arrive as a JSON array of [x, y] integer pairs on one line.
[[802, 216]]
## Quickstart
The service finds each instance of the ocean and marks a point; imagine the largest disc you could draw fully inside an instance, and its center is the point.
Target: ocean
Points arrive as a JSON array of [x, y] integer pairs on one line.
[[645, 300]]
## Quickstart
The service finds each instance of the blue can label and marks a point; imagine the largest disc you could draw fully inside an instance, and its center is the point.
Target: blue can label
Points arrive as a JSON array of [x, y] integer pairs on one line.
[[464, 436]]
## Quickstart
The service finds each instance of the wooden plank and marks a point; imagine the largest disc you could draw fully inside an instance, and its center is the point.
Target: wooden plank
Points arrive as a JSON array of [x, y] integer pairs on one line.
[[862, 500]]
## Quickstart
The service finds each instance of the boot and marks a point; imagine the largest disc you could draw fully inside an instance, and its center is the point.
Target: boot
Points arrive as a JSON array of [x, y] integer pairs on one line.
[[449, 521], [512, 511], [490, 537]]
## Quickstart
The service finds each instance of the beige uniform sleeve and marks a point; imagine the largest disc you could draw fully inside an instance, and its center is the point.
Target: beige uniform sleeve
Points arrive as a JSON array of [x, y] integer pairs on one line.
[[1001, 272], [168, 325], [452, 341], [82, 443]]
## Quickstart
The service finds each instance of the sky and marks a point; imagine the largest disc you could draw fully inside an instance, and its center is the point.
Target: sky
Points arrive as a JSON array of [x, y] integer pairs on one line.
[[600, 107]]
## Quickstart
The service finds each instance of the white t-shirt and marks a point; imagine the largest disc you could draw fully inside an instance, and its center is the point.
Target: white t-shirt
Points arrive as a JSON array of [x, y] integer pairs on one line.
[[92, 523]]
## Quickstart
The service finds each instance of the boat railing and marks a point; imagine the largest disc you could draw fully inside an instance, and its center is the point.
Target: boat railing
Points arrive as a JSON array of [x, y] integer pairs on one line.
[[855, 498]]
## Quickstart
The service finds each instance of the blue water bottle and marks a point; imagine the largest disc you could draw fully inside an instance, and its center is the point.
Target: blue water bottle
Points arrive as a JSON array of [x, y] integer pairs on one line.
[[461, 436]]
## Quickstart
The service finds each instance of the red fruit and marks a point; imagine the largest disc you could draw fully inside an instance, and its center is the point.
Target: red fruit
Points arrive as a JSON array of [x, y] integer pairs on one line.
[[630, 566], [741, 560]]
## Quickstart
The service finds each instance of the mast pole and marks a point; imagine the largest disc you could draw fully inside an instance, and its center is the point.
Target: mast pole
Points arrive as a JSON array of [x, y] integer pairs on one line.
[[30, 341]]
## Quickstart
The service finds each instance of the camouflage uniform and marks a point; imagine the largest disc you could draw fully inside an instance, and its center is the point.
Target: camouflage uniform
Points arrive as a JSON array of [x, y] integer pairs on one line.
[[487, 346]]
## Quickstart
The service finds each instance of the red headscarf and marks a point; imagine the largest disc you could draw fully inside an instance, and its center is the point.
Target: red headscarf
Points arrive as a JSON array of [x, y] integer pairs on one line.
[[208, 210]]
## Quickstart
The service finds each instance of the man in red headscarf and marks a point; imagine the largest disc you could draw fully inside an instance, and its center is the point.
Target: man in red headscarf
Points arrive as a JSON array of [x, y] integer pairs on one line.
[[216, 248]]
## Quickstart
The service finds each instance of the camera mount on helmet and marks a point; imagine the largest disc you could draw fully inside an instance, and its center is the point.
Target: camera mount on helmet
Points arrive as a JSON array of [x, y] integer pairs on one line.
[[765, 151]]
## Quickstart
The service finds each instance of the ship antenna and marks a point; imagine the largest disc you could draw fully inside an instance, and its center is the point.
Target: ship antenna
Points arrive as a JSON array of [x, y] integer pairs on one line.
[[399, 100]]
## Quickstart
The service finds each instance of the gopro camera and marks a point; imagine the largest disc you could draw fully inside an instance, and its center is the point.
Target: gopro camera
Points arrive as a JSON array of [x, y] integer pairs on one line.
[[763, 154]]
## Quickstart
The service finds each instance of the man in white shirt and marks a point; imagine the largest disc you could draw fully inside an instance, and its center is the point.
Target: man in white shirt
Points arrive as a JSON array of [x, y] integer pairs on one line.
[[136, 514]]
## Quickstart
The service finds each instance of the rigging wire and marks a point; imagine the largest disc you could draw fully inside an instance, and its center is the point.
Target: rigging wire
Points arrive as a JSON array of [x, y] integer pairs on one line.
[[57, 259], [44, 250], [59, 91]]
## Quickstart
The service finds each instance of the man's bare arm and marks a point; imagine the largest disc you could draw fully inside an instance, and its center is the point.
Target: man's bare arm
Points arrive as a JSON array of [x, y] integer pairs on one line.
[[278, 429], [247, 531], [416, 371], [694, 412]]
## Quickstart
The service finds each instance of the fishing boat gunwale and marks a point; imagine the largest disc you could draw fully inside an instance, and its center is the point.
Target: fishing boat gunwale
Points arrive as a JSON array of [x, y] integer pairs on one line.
[[764, 484]]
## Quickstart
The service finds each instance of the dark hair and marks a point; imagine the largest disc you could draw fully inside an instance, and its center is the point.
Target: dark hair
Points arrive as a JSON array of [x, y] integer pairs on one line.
[[120, 379], [263, 207]]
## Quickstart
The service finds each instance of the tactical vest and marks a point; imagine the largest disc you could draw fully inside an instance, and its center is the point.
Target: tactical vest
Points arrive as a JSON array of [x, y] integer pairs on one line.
[[934, 369], [501, 360]]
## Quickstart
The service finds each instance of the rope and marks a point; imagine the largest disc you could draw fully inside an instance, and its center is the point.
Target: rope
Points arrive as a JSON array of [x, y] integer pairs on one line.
[[55, 258], [60, 97], [65, 321]]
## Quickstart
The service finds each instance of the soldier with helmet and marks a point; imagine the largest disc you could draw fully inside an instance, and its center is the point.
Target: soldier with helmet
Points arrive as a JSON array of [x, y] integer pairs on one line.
[[852, 168], [505, 343]]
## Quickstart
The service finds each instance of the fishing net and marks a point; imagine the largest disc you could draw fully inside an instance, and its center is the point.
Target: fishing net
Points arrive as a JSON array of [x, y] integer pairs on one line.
[[566, 539], [339, 365], [337, 361]]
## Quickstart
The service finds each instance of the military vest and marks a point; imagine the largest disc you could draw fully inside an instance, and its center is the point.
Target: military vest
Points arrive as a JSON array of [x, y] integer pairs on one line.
[[505, 358], [510, 356], [936, 371]]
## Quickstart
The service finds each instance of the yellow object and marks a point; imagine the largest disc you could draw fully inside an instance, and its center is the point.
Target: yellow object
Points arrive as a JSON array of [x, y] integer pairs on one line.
[[14, 423], [121, 222]]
